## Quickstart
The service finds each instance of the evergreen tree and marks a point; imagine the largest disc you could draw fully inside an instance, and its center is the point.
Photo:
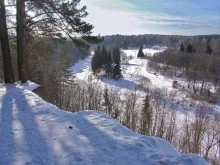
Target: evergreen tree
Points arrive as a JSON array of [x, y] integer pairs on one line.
[[146, 117], [52, 18], [96, 63], [182, 49], [104, 57], [116, 63], [108, 68], [190, 49], [140, 52], [107, 61], [209, 49]]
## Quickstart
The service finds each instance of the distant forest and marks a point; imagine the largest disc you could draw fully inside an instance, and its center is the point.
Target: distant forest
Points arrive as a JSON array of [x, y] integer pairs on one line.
[[200, 42]]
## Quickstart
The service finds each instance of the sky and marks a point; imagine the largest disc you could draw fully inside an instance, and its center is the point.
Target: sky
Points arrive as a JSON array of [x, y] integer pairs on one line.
[[175, 17]]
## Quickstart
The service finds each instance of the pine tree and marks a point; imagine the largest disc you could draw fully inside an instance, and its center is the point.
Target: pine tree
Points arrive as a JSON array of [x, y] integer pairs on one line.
[[108, 68], [6, 55], [116, 63], [140, 52], [209, 49], [60, 19], [53, 18], [146, 117], [104, 57], [182, 48], [21, 40], [111, 63], [96, 63], [190, 49]]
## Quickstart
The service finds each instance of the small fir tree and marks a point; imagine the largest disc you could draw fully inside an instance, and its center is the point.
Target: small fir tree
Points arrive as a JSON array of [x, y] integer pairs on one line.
[[182, 48], [190, 48], [209, 49], [140, 52]]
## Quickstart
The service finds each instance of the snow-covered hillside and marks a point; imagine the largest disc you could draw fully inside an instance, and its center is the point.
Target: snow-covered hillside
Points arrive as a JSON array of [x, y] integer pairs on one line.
[[34, 132]]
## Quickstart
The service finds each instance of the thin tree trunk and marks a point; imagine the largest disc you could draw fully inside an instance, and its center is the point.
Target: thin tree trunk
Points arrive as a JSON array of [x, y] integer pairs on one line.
[[194, 82], [202, 86], [21, 41], [8, 69]]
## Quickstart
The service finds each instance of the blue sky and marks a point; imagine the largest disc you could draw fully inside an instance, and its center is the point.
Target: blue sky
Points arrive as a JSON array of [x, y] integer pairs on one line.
[[177, 17]]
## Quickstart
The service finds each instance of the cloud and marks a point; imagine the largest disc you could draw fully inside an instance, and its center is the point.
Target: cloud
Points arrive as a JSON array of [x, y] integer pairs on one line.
[[154, 16]]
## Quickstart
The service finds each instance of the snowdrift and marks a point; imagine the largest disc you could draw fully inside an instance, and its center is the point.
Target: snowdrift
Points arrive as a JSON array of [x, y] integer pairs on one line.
[[34, 132]]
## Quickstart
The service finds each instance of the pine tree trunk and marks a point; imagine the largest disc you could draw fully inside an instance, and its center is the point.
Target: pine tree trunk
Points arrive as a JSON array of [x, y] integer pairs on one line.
[[21, 41], [8, 70]]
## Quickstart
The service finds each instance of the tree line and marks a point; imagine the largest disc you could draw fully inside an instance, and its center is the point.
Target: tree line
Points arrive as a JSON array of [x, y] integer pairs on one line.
[[134, 41], [109, 61], [197, 68], [188, 47], [40, 19]]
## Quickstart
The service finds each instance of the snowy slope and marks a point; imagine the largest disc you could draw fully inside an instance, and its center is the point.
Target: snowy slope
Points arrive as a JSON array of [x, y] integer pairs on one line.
[[34, 132], [82, 68]]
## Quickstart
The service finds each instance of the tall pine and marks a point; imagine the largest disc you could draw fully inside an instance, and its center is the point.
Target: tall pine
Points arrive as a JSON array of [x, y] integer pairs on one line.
[[108, 65], [104, 57], [21, 40], [116, 65], [111, 63], [7, 63], [43, 18], [96, 63]]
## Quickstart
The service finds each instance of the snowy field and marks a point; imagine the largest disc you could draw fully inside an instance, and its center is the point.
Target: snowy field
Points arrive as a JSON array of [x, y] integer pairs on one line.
[[147, 51], [35, 132]]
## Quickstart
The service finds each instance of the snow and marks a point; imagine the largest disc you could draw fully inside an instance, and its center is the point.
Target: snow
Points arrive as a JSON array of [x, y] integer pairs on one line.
[[82, 68], [139, 80], [147, 51], [33, 131], [135, 75]]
